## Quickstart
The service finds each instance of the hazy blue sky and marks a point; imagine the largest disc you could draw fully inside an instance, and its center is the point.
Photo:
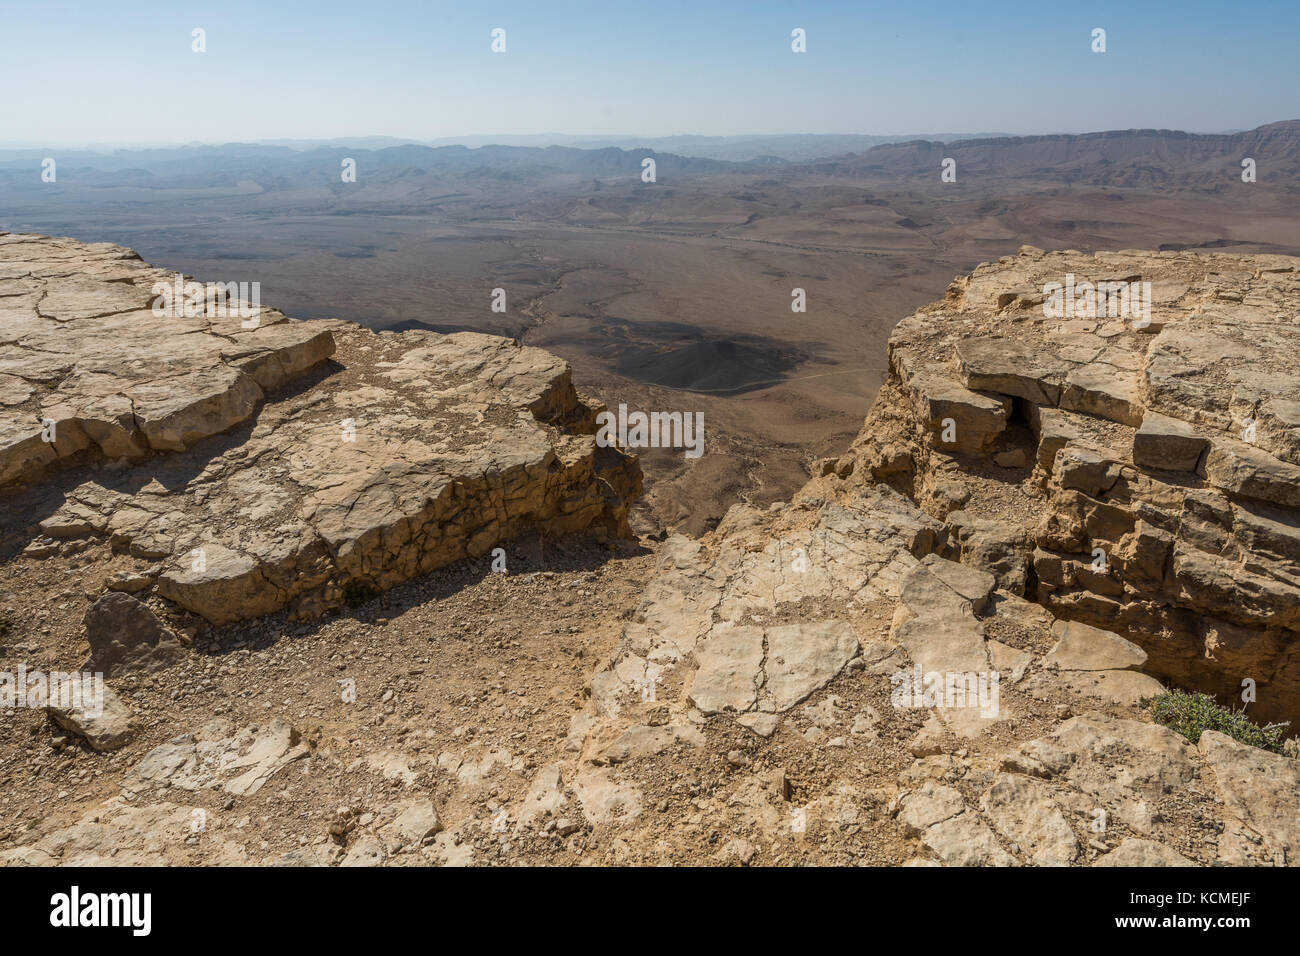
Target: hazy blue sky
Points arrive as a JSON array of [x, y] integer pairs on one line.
[[123, 71]]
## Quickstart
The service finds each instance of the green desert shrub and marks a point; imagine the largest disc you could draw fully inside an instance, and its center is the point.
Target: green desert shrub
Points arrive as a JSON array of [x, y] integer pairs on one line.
[[1191, 714]]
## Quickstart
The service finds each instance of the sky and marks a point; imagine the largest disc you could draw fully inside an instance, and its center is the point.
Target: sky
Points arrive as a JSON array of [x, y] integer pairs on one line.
[[124, 71]]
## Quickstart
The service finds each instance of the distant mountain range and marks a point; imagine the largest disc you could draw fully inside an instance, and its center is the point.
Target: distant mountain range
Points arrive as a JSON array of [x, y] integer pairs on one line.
[[1116, 157], [1140, 157], [792, 148], [274, 167], [795, 148]]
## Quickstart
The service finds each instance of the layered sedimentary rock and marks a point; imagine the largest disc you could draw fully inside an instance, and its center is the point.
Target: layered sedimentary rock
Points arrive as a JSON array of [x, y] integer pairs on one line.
[[87, 370], [405, 453], [815, 625], [1138, 470]]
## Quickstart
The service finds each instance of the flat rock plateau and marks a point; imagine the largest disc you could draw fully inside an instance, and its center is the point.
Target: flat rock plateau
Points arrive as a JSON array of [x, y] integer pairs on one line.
[[373, 598]]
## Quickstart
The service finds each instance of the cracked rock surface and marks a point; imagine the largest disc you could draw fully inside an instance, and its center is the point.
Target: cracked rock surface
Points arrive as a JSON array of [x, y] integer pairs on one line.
[[401, 455], [1137, 472], [87, 370]]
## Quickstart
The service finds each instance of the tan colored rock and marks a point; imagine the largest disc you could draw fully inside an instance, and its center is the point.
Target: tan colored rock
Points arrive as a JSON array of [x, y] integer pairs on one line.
[[972, 583], [642, 741], [129, 382], [117, 833], [353, 490], [1010, 662], [368, 850], [1124, 765], [937, 627], [1128, 688], [1081, 647], [930, 739], [416, 451], [764, 725], [1248, 472], [545, 795], [1104, 391], [966, 840], [959, 420], [1053, 430], [1011, 366], [802, 658], [727, 679], [1137, 852], [1260, 789], [239, 762], [932, 804], [100, 717], [604, 799], [1167, 443], [413, 823], [1024, 811]]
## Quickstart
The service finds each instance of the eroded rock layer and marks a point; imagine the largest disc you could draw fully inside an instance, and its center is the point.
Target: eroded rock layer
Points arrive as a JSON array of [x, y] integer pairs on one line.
[[87, 370], [1137, 471], [815, 627], [404, 454]]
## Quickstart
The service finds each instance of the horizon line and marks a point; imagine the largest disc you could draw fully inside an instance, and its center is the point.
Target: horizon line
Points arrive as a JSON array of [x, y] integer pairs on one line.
[[451, 140]]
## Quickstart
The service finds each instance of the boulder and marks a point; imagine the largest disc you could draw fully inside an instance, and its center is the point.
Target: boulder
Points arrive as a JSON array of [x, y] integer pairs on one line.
[[125, 635], [1081, 647], [104, 722]]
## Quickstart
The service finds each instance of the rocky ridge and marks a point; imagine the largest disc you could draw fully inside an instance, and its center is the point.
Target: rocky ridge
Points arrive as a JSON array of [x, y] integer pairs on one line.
[[401, 454], [1138, 474]]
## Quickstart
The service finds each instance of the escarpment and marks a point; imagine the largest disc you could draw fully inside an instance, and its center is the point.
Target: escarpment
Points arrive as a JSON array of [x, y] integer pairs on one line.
[[940, 652], [1130, 460], [249, 462]]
